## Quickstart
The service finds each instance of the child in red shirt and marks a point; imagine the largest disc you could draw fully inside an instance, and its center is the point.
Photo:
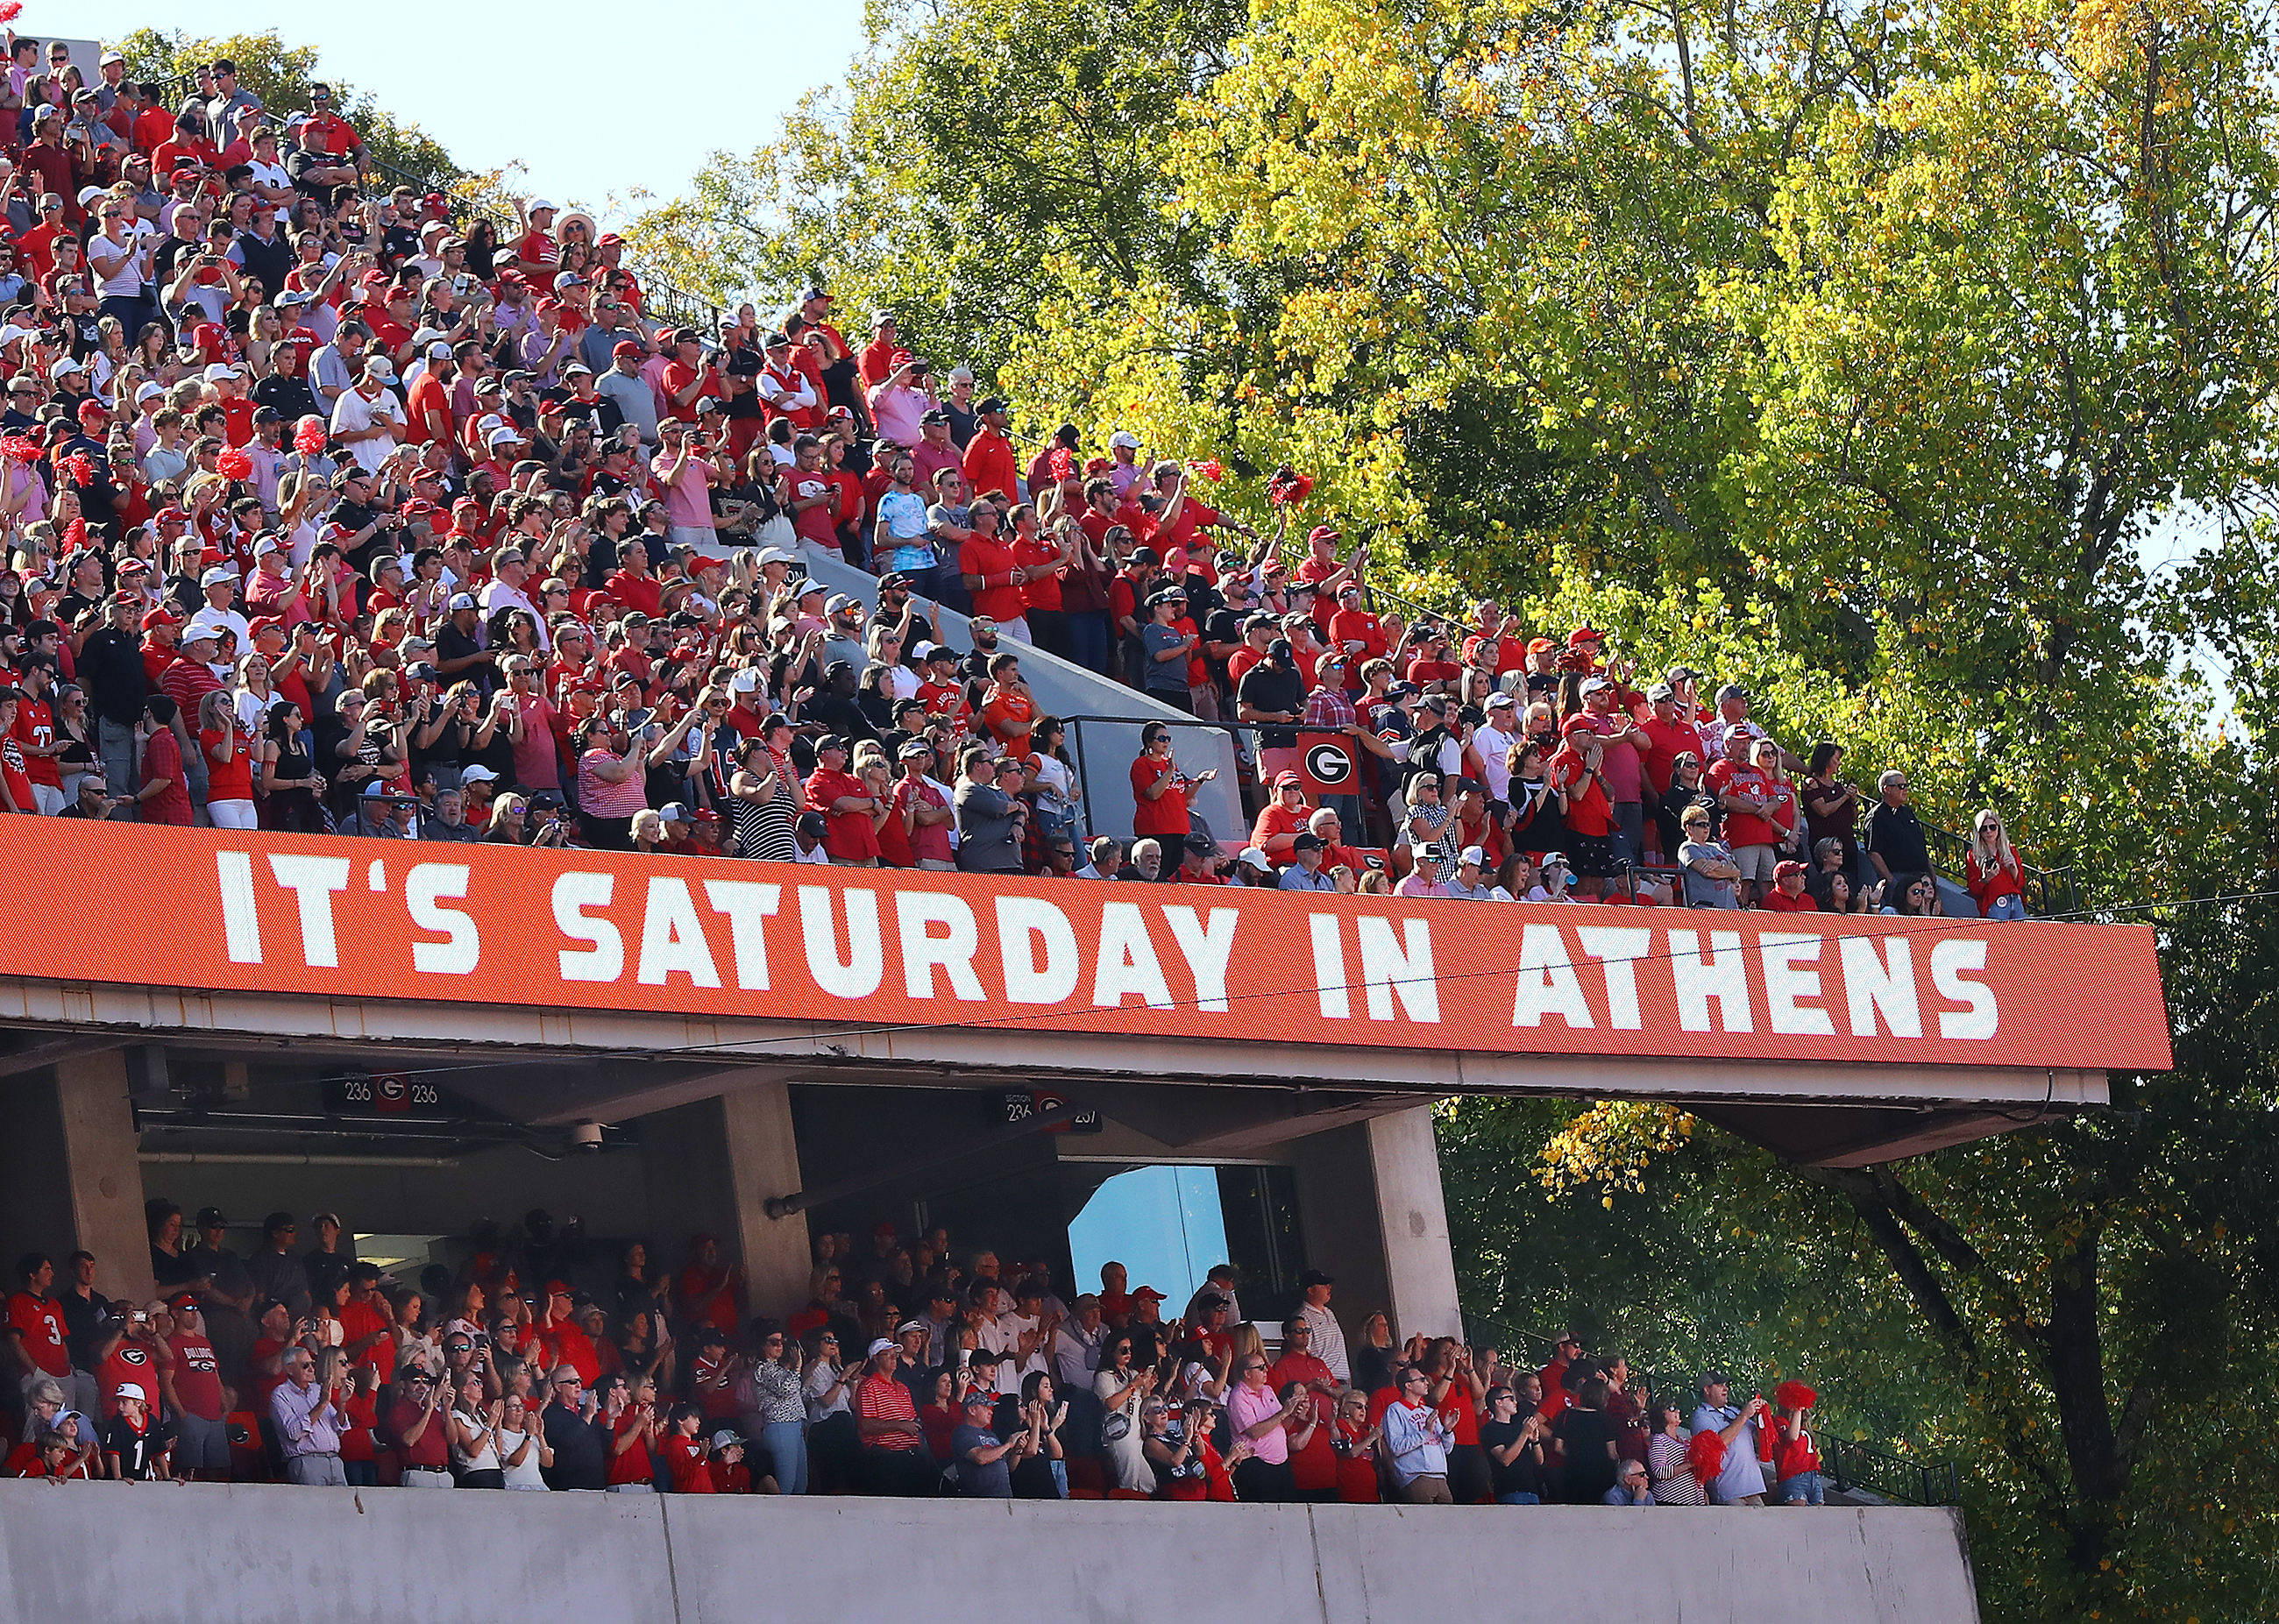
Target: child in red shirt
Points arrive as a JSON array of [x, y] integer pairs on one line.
[[684, 1454]]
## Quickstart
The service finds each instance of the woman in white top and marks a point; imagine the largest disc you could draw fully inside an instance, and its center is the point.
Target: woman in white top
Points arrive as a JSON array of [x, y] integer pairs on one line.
[[885, 648], [522, 1446], [474, 1437], [833, 1448], [1123, 1441], [1054, 780]]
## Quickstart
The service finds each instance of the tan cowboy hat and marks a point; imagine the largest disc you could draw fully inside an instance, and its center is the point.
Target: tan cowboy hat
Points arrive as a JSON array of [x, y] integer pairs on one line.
[[562, 224]]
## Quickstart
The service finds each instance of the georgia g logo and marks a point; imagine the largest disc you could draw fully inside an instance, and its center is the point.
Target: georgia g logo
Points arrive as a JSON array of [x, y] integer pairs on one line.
[[1328, 765]]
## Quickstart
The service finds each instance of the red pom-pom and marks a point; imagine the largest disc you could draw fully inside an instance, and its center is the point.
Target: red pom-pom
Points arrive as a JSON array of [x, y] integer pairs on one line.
[[1063, 463], [1210, 469], [77, 469], [1794, 1395], [309, 439], [1288, 488], [10, 10], [1705, 1452], [234, 463], [17, 448], [75, 534]]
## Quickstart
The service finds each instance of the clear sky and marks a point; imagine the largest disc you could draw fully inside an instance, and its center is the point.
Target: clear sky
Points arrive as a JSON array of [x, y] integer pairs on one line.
[[476, 78]]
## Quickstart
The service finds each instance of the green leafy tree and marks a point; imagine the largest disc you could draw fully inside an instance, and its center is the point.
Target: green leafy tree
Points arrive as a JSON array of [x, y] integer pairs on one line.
[[977, 145], [1852, 353]]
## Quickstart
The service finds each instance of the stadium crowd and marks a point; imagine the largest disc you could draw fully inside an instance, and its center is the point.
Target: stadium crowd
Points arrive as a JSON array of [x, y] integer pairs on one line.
[[914, 1368], [326, 514]]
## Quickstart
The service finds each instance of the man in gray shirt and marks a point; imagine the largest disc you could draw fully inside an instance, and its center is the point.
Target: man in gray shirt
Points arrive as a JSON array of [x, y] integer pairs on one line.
[[1468, 882], [334, 370], [624, 384], [1711, 874], [989, 819]]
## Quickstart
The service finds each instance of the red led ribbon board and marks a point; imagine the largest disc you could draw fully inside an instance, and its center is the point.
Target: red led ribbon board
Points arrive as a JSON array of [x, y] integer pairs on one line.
[[499, 926]]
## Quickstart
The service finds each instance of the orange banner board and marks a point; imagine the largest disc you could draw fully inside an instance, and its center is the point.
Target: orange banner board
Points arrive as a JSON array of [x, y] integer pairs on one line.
[[487, 924]]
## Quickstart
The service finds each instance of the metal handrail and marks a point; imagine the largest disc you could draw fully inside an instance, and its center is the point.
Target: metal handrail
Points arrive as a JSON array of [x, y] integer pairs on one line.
[[1853, 1464]]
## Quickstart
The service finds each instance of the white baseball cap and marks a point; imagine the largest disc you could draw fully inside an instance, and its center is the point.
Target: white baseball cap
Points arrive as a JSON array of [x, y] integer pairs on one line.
[[131, 1390], [1124, 440], [220, 369]]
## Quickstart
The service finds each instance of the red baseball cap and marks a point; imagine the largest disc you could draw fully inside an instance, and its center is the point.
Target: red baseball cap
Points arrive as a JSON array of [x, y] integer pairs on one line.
[[158, 617], [624, 347]]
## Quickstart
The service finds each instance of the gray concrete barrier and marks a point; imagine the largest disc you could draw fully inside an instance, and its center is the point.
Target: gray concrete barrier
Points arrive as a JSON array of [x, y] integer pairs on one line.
[[161, 1554]]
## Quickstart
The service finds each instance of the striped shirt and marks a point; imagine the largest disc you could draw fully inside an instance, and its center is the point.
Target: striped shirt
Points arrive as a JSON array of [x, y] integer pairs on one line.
[[881, 1398]]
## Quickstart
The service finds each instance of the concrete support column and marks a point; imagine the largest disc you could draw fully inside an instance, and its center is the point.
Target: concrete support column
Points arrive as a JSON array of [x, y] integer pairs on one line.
[[763, 1162], [1369, 1198], [1413, 1220], [102, 1173], [710, 1167]]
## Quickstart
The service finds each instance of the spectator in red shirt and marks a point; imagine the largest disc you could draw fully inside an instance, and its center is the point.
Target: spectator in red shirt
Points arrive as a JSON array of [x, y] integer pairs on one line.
[[852, 806], [686, 1456], [994, 576], [895, 1461], [1788, 894], [709, 1291], [35, 1333], [990, 468], [413, 1420], [1159, 790], [164, 795]]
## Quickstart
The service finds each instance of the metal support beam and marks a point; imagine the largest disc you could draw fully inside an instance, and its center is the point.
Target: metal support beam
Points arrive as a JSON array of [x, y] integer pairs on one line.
[[56, 1050]]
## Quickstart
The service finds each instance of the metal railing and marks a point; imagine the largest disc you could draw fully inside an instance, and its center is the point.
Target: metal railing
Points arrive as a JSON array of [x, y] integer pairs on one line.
[[1854, 1465]]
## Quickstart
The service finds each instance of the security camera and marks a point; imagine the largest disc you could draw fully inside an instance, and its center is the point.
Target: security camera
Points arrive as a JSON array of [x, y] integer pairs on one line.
[[586, 1136]]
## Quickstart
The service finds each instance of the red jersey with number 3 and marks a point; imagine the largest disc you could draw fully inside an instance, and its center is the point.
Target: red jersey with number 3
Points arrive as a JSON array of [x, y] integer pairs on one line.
[[41, 1324]]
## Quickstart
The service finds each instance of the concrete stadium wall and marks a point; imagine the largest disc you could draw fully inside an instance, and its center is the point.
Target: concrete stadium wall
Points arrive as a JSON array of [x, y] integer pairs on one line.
[[144, 1554]]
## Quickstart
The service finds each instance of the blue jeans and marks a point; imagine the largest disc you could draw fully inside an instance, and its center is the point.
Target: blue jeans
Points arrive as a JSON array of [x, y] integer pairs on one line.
[[1805, 1489], [2012, 907], [948, 588], [785, 1442], [1088, 640], [1519, 1500]]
